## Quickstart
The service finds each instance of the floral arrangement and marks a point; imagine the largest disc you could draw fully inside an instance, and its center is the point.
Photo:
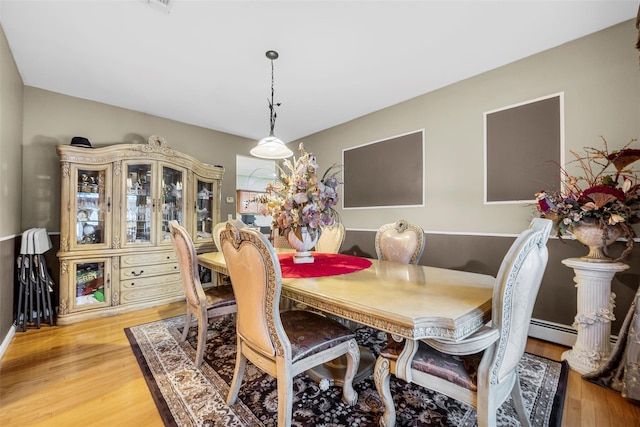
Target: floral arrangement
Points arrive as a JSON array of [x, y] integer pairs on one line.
[[608, 192], [299, 199]]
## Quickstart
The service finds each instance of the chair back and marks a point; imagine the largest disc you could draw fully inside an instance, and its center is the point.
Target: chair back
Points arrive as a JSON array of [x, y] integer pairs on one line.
[[514, 295], [400, 242], [187, 263], [280, 240], [255, 274], [217, 229], [331, 239]]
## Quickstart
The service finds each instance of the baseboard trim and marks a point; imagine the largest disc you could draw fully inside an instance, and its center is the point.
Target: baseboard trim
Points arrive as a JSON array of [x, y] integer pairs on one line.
[[556, 332], [7, 340]]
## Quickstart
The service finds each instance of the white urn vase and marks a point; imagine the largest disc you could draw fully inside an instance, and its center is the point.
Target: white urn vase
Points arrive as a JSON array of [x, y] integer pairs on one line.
[[302, 240]]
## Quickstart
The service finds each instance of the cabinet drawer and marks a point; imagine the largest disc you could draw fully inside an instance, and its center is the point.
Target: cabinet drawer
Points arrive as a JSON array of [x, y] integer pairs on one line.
[[149, 282], [144, 271], [159, 291], [147, 258]]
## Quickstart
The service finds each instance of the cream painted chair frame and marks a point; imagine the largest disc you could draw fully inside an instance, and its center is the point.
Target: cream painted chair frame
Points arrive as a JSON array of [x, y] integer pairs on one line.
[[217, 229], [393, 245], [204, 305], [331, 239], [503, 342], [280, 240], [261, 335]]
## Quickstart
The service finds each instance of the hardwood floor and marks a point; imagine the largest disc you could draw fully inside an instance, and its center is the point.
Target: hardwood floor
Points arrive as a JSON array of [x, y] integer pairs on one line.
[[86, 375]]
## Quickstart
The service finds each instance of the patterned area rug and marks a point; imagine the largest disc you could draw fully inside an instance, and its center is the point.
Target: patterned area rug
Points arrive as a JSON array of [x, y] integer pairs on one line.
[[187, 396]]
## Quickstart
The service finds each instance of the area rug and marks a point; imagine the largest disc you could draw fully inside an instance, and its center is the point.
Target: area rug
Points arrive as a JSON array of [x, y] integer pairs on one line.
[[187, 396]]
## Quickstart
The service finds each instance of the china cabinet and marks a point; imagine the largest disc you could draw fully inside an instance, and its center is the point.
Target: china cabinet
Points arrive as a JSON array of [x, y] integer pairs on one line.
[[116, 202]]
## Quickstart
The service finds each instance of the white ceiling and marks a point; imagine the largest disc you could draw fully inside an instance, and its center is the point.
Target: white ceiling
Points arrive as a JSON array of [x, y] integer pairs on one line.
[[204, 62]]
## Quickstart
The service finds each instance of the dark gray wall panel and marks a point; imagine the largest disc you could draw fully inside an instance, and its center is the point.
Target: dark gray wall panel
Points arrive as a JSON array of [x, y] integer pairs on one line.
[[7, 268]]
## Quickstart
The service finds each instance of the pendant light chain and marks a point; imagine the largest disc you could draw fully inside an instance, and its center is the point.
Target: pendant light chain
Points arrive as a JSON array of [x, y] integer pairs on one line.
[[272, 109]]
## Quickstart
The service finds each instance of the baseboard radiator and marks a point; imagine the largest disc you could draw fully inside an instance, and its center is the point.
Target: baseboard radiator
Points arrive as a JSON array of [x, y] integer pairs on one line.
[[556, 332]]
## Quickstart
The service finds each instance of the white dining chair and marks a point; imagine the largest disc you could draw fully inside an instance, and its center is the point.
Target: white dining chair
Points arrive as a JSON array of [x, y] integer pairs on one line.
[[217, 229], [331, 238], [282, 344], [482, 369], [280, 240], [400, 241]]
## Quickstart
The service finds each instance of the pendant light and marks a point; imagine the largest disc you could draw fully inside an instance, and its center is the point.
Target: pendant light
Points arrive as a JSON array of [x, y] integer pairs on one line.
[[271, 147]]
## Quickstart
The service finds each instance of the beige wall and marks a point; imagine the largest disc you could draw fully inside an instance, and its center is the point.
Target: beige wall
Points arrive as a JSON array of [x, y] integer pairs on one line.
[[52, 119], [600, 77], [10, 172], [11, 90]]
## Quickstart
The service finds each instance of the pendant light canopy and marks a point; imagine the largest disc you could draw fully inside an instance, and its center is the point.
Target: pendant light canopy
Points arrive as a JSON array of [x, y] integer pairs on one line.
[[271, 147]]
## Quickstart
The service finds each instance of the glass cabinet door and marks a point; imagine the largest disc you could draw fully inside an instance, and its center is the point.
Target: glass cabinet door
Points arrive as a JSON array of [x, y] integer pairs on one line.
[[171, 200], [91, 227], [92, 284], [204, 213], [138, 193]]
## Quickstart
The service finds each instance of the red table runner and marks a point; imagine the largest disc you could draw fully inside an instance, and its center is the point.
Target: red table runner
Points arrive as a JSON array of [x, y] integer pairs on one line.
[[323, 265]]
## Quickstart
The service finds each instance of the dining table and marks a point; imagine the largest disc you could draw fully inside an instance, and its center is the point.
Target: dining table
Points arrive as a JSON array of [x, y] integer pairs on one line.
[[410, 302]]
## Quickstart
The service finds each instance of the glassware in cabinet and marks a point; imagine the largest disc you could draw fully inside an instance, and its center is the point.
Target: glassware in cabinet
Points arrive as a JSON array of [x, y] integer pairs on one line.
[[139, 203], [204, 210], [172, 202], [90, 227]]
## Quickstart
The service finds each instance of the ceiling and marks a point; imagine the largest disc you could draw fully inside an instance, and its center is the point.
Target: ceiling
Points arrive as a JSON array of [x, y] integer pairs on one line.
[[203, 63]]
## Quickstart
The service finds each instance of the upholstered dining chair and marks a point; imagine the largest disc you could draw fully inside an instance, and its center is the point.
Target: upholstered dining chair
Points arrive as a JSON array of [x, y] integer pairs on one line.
[[203, 304], [331, 238], [280, 239], [400, 242], [217, 229], [481, 370], [282, 344]]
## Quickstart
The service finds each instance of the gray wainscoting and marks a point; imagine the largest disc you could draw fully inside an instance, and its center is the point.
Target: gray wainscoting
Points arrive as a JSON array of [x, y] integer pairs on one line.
[[7, 268]]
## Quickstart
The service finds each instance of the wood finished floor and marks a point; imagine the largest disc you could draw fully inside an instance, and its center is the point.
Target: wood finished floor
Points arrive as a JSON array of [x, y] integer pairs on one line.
[[86, 375]]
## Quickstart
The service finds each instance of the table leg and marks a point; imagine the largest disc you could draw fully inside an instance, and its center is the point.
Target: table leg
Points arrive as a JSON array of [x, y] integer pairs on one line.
[[401, 368], [381, 377]]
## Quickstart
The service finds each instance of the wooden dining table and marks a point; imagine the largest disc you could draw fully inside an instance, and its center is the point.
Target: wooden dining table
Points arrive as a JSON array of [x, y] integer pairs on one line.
[[410, 302]]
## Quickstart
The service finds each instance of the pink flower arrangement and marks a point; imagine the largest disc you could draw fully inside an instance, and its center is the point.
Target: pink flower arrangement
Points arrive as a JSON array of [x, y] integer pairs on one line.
[[298, 198]]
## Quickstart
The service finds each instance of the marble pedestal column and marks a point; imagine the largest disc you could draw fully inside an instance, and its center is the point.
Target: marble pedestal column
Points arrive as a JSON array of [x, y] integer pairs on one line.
[[595, 313]]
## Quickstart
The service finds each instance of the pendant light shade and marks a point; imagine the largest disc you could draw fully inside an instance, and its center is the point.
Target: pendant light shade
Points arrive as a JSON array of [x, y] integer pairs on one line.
[[271, 147]]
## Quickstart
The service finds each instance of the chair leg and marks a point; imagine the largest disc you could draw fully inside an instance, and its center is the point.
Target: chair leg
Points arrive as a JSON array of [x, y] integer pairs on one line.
[[381, 376], [349, 395], [25, 305], [486, 409], [47, 283], [187, 325], [38, 292], [202, 341], [238, 372], [285, 395], [516, 395], [22, 291]]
